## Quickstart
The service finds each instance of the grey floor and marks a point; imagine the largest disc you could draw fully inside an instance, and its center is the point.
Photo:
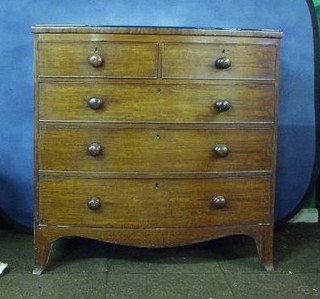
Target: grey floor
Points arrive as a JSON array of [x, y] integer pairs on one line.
[[224, 268]]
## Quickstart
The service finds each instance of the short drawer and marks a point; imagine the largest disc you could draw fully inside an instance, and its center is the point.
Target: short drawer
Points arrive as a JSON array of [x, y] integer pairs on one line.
[[117, 59], [154, 149], [154, 203], [157, 103], [199, 61]]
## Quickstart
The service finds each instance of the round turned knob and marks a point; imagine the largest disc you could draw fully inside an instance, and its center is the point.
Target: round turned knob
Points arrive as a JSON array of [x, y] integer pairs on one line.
[[94, 203], [223, 63], [219, 201], [95, 103], [222, 105], [221, 150], [95, 60], [94, 149]]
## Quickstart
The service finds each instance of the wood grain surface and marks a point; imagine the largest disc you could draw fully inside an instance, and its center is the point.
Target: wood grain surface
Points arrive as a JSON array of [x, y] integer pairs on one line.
[[157, 102], [156, 180]]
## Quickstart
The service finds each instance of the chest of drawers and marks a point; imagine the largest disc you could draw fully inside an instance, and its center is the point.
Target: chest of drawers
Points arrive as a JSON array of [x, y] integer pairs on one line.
[[154, 137]]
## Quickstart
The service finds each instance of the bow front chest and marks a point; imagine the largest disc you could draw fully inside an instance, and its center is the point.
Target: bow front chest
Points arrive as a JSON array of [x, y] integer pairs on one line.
[[154, 137]]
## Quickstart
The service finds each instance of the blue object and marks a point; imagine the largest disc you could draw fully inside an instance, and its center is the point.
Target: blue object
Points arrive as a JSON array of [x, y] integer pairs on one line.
[[297, 134]]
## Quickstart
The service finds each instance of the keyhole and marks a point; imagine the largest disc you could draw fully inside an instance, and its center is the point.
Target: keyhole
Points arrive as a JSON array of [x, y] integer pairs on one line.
[[159, 91], [156, 186], [96, 50], [158, 136], [223, 52]]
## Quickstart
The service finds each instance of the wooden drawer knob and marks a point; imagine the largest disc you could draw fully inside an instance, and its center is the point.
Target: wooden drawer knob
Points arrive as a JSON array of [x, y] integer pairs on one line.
[[94, 149], [94, 203], [95, 60], [219, 201], [223, 63], [222, 105], [95, 103], [221, 150]]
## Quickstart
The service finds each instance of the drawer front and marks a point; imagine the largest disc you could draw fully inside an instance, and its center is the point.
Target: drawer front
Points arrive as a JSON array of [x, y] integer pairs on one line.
[[150, 203], [119, 60], [198, 61], [154, 149], [156, 103]]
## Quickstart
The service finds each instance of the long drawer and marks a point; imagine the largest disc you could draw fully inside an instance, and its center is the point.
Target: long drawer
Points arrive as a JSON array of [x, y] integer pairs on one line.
[[118, 59], [151, 203], [157, 103], [143, 148]]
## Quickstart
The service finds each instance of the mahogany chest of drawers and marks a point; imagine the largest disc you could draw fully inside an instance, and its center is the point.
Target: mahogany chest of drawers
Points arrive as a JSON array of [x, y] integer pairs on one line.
[[154, 137]]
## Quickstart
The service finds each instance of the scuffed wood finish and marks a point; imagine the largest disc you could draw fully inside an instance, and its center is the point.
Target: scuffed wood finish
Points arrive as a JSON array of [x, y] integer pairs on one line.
[[155, 180]]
